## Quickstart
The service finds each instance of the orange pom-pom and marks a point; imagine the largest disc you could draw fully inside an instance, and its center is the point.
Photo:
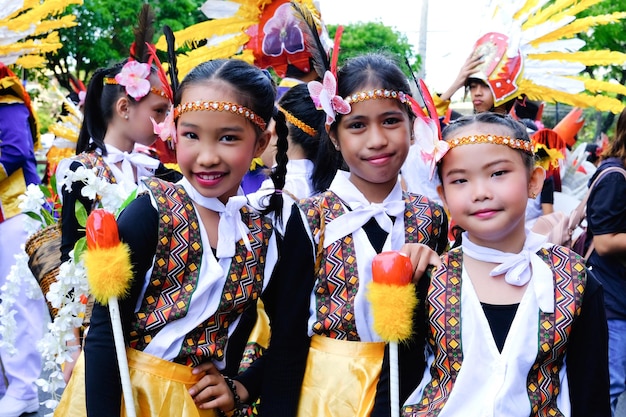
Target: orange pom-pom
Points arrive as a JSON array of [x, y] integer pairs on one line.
[[392, 267], [101, 230]]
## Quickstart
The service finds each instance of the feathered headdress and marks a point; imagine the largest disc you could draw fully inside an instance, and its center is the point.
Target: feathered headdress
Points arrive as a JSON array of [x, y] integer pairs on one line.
[[535, 53], [266, 33], [28, 31]]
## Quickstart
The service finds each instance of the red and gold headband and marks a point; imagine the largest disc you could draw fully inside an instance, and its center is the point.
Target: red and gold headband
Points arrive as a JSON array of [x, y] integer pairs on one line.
[[520, 144], [220, 106], [376, 94], [297, 122]]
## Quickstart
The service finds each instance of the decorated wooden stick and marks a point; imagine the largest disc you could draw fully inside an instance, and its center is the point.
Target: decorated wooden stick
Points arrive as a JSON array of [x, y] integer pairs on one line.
[[109, 273], [392, 296]]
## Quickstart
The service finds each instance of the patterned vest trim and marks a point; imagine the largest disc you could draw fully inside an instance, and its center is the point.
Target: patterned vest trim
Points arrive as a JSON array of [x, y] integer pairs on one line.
[[176, 264], [93, 160], [543, 384], [337, 280]]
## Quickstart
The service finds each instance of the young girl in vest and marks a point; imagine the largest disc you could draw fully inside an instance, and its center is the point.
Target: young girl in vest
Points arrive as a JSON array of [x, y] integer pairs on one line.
[[325, 359], [516, 325], [200, 257]]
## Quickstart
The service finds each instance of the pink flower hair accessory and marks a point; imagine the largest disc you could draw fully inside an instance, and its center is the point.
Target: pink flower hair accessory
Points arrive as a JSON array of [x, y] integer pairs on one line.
[[325, 98], [134, 76], [432, 149], [166, 130]]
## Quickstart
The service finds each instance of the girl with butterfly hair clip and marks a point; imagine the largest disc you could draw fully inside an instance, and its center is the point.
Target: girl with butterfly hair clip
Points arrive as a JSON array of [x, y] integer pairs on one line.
[[515, 324], [322, 329]]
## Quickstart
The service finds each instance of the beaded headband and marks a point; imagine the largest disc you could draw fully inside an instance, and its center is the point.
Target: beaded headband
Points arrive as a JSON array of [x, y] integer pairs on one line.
[[297, 122], [376, 94], [153, 90], [220, 106], [520, 144]]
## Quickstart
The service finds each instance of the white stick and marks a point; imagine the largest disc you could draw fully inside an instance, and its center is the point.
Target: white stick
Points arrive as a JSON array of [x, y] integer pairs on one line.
[[394, 379], [122, 362]]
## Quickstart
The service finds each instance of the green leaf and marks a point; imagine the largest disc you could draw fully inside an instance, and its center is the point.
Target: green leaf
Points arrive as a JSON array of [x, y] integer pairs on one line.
[[45, 190], [34, 216], [126, 202], [79, 248], [48, 219], [81, 213]]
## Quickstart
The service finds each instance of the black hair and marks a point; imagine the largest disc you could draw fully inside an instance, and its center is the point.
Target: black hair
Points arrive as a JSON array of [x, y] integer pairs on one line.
[[517, 129], [326, 160], [255, 90], [99, 108]]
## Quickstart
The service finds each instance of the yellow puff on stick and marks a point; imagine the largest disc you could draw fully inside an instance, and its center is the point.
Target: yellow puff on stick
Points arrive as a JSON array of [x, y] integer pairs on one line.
[[109, 273], [107, 260], [392, 296]]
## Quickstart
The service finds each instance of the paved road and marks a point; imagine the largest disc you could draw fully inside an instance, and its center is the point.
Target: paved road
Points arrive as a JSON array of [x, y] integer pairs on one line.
[[621, 407]]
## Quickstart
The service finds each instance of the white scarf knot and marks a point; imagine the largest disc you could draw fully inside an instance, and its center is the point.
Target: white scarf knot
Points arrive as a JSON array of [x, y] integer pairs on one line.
[[230, 224], [361, 213], [519, 268], [144, 164], [362, 210]]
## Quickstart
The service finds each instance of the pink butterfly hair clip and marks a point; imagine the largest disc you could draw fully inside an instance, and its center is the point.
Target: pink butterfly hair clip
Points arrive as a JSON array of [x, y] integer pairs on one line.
[[325, 98]]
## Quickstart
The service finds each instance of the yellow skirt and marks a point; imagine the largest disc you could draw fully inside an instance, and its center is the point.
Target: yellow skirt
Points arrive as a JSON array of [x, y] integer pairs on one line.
[[160, 389], [340, 378]]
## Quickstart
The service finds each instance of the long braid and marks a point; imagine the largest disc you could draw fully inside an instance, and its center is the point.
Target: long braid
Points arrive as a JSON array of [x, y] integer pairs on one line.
[[280, 170]]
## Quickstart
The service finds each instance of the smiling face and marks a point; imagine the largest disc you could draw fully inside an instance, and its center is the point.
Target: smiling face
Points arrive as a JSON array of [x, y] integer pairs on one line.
[[215, 148], [374, 141], [485, 188]]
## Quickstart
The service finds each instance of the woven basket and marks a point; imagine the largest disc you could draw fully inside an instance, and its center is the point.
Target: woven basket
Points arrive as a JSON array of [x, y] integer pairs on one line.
[[44, 252]]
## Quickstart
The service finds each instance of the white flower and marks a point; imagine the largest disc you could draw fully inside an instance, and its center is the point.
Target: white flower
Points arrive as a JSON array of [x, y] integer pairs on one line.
[[94, 188], [112, 197], [32, 199]]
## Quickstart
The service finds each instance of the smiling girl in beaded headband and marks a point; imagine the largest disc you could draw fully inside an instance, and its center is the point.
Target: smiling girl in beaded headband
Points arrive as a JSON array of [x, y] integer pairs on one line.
[[227, 251]]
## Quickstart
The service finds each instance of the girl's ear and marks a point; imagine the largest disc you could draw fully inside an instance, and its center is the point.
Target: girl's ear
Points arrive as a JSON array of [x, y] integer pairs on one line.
[[442, 195], [537, 177], [262, 142], [122, 107], [332, 134]]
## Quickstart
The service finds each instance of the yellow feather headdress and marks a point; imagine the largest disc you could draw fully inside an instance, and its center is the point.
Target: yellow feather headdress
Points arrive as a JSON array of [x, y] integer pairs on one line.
[[533, 51], [28, 30]]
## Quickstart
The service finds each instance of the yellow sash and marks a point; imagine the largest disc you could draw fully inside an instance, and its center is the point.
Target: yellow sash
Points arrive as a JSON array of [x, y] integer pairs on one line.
[[341, 378]]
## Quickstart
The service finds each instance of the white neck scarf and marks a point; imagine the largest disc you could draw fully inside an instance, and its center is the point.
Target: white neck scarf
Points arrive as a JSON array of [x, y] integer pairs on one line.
[[362, 210], [230, 223], [519, 268], [144, 164]]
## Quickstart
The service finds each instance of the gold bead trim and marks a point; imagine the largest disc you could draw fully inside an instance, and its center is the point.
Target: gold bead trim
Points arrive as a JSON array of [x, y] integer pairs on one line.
[[153, 90], [523, 145], [297, 122], [376, 94], [220, 106]]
